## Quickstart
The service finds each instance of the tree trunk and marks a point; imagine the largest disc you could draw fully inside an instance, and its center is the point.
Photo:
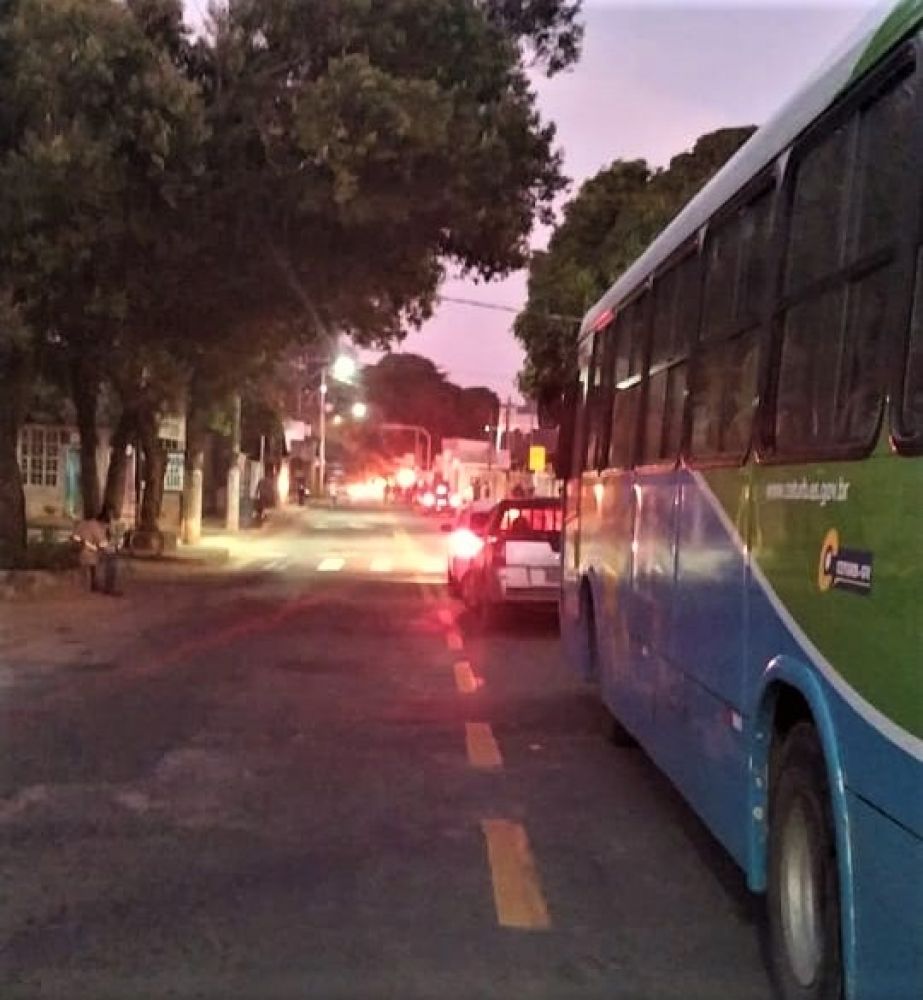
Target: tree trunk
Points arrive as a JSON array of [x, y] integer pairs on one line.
[[116, 475], [16, 373], [12, 499], [155, 467], [84, 391], [193, 478]]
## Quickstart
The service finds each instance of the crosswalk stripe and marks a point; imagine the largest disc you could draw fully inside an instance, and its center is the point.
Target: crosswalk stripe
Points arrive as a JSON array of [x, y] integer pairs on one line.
[[332, 564]]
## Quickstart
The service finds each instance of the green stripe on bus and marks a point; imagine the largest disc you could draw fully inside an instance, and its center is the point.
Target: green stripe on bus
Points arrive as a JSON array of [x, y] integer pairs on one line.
[[906, 16], [874, 642]]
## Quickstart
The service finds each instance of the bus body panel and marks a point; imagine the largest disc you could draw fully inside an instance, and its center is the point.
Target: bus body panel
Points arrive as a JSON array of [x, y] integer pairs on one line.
[[888, 893], [704, 730]]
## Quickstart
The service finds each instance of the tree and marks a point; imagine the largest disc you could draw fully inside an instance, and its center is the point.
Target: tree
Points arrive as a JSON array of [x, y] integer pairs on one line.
[[410, 389], [17, 365], [607, 226], [174, 213], [101, 141], [353, 149]]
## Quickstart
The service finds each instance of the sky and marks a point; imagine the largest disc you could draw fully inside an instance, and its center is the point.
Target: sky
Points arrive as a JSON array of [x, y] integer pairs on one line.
[[654, 75]]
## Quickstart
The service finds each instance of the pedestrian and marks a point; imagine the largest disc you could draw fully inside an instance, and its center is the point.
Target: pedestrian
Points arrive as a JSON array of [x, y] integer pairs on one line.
[[98, 551]]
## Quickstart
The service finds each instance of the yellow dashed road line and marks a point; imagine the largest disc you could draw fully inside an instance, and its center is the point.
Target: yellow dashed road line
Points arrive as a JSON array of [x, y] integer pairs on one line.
[[518, 893], [465, 680], [483, 751]]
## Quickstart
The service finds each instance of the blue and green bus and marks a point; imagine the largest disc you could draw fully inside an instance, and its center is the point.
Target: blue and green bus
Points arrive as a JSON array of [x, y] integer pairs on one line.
[[743, 541]]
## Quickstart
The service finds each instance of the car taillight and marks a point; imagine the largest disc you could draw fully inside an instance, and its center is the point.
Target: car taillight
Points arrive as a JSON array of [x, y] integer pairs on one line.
[[465, 544]]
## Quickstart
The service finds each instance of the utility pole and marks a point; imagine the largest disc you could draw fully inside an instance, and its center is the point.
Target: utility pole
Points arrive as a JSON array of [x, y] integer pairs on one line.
[[322, 435], [232, 504]]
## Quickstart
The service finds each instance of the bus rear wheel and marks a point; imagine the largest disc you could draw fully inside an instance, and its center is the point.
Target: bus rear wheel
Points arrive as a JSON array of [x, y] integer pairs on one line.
[[803, 892]]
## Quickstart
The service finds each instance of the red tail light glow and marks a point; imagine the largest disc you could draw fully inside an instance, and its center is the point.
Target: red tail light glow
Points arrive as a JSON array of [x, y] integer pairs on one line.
[[465, 544]]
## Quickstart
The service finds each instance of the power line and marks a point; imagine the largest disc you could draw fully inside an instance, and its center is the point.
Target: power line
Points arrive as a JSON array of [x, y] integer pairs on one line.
[[497, 307]]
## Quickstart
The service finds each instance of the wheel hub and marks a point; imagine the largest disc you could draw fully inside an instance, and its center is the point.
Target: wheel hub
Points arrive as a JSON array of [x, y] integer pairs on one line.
[[801, 912]]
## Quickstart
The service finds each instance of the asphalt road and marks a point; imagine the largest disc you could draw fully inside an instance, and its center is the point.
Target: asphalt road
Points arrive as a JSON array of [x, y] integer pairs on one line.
[[303, 776]]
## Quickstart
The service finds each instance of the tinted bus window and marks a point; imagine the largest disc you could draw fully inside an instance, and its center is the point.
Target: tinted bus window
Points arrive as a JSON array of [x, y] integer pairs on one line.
[[755, 226], [817, 213], [912, 409], [628, 352], [724, 386], [835, 339], [591, 406], [884, 156], [675, 315]]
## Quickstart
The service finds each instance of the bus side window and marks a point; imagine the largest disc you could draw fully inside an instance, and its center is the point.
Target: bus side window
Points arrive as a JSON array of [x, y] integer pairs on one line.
[[564, 453], [912, 409], [628, 353], [725, 372], [841, 279], [675, 313], [591, 408]]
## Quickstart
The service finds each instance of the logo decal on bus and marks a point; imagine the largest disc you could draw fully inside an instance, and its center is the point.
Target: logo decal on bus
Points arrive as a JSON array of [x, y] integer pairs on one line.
[[844, 569]]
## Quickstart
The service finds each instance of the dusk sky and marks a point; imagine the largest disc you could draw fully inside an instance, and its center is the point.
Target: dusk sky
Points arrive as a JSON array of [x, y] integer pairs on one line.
[[653, 76]]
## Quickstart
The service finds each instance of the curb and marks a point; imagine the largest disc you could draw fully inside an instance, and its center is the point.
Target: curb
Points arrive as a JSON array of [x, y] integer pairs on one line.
[[208, 557], [16, 583]]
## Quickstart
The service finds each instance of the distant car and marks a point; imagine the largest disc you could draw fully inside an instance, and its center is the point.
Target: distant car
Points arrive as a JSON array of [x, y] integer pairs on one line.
[[520, 561], [466, 539], [438, 500]]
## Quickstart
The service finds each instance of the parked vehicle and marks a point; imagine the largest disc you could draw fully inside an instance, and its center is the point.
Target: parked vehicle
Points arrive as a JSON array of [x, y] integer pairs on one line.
[[743, 544], [466, 539], [520, 561]]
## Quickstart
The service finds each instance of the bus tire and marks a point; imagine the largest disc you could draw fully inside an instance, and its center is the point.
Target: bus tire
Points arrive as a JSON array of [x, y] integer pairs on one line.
[[803, 892]]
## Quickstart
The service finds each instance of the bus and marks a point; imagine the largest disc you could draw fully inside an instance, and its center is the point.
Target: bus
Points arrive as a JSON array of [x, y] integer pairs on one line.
[[742, 552]]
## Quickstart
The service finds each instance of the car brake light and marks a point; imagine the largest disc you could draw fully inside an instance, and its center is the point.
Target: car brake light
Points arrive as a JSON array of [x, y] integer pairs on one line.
[[465, 544]]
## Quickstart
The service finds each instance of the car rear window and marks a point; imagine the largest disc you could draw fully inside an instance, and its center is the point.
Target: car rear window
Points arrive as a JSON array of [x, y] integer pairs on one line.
[[531, 522]]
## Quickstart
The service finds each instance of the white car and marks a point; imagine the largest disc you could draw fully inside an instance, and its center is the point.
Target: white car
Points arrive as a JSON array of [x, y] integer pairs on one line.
[[466, 539], [520, 560]]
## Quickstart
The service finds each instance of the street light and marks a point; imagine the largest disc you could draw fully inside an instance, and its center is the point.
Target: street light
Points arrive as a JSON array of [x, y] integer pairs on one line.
[[342, 369], [359, 410]]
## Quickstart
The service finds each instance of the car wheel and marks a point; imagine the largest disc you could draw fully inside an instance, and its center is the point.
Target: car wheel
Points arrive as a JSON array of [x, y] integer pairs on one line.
[[803, 893]]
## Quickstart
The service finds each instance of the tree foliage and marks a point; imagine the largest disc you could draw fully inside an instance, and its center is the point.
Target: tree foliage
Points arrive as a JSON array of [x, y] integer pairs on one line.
[[607, 226], [175, 212], [409, 389]]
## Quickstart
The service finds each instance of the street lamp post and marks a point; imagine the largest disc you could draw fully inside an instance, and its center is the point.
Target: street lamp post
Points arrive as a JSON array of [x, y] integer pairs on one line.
[[322, 433], [342, 369]]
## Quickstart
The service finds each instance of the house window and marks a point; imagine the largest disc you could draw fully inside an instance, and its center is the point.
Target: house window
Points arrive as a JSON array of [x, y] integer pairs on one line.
[[40, 455]]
